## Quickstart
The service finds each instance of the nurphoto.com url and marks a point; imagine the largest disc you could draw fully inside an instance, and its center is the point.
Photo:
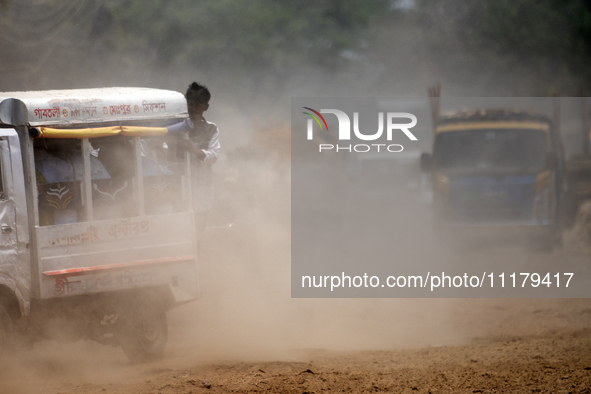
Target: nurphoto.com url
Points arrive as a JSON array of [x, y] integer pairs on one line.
[[442, 281]]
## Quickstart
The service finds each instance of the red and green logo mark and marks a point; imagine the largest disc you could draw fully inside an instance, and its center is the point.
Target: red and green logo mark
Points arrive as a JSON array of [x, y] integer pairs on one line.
[[316, 117]]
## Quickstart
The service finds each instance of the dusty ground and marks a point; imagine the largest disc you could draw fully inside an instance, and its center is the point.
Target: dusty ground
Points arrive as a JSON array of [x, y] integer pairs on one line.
[[538, 347]]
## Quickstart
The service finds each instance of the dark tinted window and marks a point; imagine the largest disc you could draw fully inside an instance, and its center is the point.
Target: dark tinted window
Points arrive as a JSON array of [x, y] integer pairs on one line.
[[486, 150]]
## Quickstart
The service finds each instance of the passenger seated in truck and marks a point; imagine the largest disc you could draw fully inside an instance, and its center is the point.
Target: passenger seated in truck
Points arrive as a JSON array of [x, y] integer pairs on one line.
[[63, 165], [71, 154], [51, 169]]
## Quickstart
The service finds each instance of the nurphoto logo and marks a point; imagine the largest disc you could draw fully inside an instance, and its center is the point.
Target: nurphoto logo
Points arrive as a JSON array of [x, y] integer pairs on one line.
[[344, 131]]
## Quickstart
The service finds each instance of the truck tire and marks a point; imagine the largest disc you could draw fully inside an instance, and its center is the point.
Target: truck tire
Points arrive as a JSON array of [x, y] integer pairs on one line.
[[144, 329], [6, 332]]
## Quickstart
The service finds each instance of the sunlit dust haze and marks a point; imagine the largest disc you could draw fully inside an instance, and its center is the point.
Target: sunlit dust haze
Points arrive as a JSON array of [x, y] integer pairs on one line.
[[254, 56]]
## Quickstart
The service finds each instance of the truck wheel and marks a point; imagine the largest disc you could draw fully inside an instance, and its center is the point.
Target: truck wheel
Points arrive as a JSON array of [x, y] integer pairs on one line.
[[6, 332], [144, 329]]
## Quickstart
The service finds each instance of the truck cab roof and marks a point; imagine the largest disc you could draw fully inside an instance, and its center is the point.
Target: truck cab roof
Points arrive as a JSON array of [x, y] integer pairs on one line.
[[65, 108]]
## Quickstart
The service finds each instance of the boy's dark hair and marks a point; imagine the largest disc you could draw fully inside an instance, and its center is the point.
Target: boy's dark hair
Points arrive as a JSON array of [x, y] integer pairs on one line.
[[197, 94]]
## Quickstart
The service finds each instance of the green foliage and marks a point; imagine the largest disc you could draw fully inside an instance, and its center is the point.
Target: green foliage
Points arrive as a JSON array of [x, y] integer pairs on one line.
[[481, 47], [506, 47], [235, 35]]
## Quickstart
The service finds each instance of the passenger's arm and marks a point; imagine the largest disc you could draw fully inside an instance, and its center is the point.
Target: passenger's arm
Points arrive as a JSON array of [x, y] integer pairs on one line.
[[181, 127]]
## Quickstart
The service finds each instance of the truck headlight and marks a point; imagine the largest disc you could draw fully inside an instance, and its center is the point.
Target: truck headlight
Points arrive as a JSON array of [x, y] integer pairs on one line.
[[541, 208]]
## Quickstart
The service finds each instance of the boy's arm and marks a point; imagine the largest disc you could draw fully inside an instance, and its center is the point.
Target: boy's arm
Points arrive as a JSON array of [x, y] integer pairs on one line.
[[208, 155], [184, 127], [181, 127]]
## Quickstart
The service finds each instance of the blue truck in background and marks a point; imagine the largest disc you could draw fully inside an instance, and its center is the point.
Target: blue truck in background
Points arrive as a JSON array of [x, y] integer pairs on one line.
[[499, 168]]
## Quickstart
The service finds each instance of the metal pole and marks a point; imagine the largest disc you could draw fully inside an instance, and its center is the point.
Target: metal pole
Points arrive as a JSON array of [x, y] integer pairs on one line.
[[87, 181], [189, 178], [139, 176], [27, 152]]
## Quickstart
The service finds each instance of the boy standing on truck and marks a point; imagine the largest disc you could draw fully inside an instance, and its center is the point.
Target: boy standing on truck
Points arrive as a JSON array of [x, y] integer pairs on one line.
[[204, 146]]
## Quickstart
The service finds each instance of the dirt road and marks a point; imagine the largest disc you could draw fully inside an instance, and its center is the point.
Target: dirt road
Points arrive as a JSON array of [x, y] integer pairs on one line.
[[520, 346]]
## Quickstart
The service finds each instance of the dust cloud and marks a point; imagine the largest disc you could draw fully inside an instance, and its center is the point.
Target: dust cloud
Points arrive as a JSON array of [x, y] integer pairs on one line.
[[246, 312]]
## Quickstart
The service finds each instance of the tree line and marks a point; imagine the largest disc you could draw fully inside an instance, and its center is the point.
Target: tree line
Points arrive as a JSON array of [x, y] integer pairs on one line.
[[270, 47]]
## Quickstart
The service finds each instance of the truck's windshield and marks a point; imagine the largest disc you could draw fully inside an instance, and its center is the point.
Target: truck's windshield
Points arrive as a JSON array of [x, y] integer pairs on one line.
[[491, 150]]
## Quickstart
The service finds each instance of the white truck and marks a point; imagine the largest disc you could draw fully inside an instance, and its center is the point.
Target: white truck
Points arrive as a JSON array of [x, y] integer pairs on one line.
[[96, 225]]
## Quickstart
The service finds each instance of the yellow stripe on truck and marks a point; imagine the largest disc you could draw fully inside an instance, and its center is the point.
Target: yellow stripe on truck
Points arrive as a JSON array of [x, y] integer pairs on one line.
[[493, 125], [143, 131], [94, 132], [46, 132]]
